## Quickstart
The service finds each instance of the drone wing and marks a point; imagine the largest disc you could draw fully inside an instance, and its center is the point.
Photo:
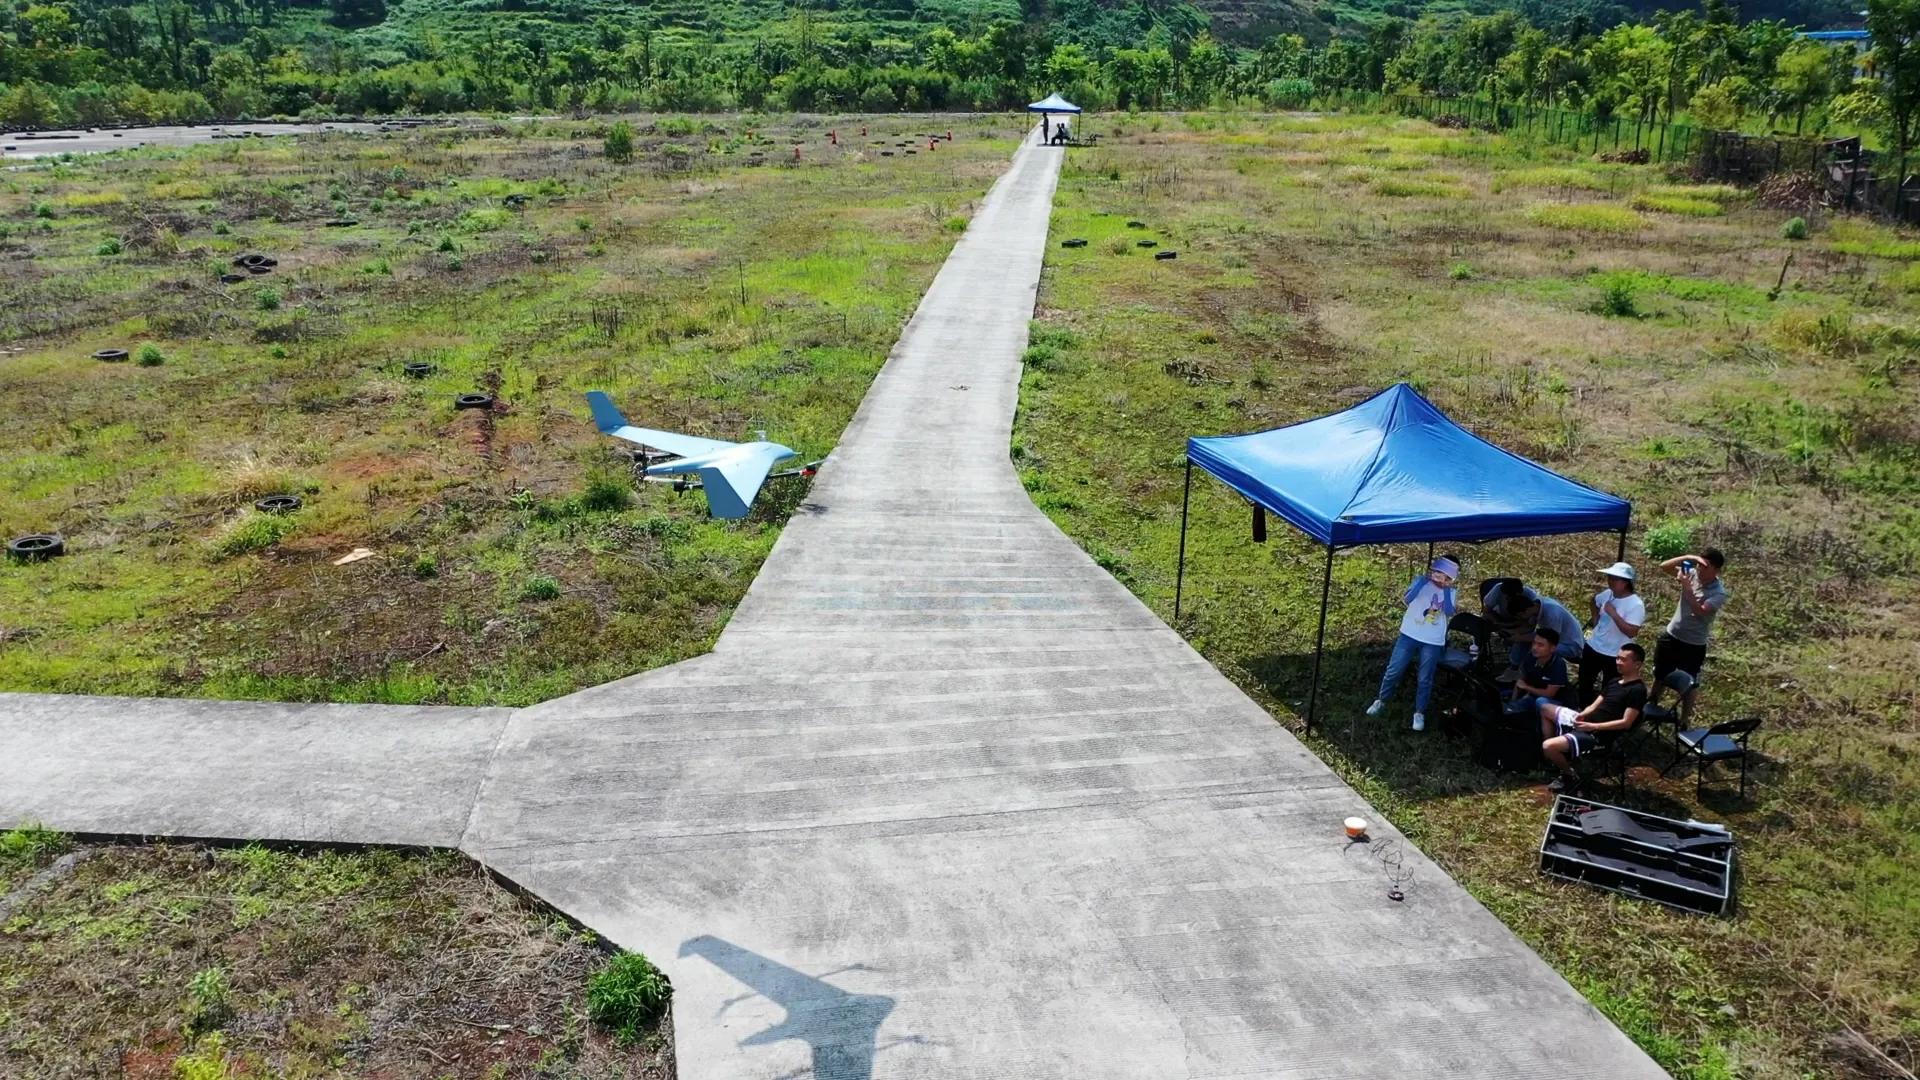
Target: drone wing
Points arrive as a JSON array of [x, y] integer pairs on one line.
[[733, 478], [608, 419]]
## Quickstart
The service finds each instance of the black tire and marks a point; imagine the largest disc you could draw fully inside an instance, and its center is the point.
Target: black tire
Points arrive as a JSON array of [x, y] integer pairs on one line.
[[1165, 255], [417, 370], [1074, 243], [232, 279], [258, 270], [343, 222], [473, 401], [886, 153], [1146, 243], [34, 547], [111, 356], [1136, 224], [250, 260], [278, 504]]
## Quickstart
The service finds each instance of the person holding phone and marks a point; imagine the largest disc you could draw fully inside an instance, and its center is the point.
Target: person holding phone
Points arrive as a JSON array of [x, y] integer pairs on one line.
[[1683, 646], [1430, 602]]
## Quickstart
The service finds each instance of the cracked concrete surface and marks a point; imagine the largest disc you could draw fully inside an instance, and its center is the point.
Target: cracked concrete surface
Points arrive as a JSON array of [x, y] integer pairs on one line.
[[946, 801]]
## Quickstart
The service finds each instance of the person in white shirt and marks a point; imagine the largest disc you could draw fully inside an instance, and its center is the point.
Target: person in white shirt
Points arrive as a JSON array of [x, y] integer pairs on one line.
[[1430, 604], [1618, 614]]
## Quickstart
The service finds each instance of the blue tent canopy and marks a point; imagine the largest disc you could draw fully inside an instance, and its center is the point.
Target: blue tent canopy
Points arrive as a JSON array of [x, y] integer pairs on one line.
[[1053, 103], [1394, 469]]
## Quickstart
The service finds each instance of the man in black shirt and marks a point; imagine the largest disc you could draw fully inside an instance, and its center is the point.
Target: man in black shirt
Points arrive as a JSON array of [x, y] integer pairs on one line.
[[1570, 734]]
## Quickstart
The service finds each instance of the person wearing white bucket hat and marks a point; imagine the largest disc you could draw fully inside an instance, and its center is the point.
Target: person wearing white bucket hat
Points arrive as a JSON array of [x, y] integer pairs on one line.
[[1430, 602], [1618, 614]]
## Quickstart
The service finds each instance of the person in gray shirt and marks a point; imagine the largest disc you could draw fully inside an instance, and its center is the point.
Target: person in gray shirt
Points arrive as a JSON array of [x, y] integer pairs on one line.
[[1683, 646], [1516, 610]]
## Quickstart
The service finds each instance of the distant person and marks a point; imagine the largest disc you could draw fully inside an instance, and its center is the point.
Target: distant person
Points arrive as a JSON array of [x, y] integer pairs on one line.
[[1618, 615], [1683, 646], [1543, 672], [1430, 602], [1569, 735], [1516, 610], [1060, 134]]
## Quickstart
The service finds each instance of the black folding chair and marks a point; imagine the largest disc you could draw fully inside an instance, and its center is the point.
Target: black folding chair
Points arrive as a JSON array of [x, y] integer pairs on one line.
[[1681, 684], [1721, 742]]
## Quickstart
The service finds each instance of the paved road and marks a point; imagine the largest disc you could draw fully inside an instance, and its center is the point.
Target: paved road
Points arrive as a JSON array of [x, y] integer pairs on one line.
[[94, 140], [945, 802], [942, 754]]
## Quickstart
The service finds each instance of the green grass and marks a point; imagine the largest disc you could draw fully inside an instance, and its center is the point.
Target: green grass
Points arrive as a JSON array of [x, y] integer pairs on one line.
[[1677, 204], [1549, 177], [721, 299], [1586, 217], [190, 962], [1779, 430]]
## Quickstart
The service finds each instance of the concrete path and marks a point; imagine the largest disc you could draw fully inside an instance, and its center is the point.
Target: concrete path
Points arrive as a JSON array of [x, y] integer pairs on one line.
[[946, 801]]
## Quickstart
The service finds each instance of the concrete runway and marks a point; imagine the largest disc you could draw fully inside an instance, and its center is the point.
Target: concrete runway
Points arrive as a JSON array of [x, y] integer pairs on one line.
[[27, 146], [945, 802]]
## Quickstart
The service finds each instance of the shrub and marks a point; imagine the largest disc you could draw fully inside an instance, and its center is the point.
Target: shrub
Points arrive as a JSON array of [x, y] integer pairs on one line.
[[426, 566], [447, 245], [1460, 271], [43, 210], [619, 144], [150, 355], [1794, 229], [208, 1000], [540, 587], [1668, 539], [268, 300], [584, 224], [627, 995], [455, 262], [485, 219], [1616, 300], [221, 229], [1587, 217], [252, 531], [606, 491], [377, 267], [956, 224], [110, 246]]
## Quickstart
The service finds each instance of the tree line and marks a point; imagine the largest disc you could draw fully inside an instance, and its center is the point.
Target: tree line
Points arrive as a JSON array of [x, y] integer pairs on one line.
[[90, 63]]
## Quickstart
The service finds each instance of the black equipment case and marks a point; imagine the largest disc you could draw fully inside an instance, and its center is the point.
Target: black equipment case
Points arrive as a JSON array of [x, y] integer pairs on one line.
[[1684, 864]]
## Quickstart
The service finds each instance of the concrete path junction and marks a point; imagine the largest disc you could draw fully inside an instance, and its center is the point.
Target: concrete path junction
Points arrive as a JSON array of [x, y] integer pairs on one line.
[[946, 801]]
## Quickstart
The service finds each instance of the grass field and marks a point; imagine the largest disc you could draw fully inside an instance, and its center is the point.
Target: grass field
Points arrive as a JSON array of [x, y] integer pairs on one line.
[[715, 285], [190, 963], [1613, 322]]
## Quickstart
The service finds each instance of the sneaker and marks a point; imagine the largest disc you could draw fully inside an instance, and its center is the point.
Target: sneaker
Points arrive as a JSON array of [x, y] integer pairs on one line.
[[1376, 708], [1419, 722], [1564, 783]]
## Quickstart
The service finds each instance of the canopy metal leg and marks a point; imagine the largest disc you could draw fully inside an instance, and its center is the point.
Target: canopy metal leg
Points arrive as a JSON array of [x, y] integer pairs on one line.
[[1623, 547], [1320, 639], [1180, 574]]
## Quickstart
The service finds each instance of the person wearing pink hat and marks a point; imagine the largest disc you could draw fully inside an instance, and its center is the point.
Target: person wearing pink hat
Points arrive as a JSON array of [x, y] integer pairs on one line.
[[1430, 602], [1618, 614]]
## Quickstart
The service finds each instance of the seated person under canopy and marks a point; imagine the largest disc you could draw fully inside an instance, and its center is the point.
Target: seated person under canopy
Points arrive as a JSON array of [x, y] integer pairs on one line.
[[1543, 674], [1516, 610], [1569, 734]]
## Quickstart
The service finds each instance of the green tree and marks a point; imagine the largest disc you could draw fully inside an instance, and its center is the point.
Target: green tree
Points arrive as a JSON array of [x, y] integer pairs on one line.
[[619, 144], [1895, 25]]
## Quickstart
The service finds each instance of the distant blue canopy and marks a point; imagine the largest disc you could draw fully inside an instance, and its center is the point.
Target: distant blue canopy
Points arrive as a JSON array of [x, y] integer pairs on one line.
[[1394, 469], [1053, 103]]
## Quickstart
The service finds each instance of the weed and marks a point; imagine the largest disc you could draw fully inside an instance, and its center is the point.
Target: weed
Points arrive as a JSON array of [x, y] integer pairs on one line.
[[149, 355], [1795, 228], [628, 994], [1119, 245], [484, 220], [606, 492], [1586, 217], [209, 1003], [378, 267], [956, 224], [1459, 272], [43, 210], [1041, 357], [426, 567], [252, 531], [1395, 187], [447, 245], [267, 300], [1668, 539], [455, 262], [207, 1060], [540, 587], [110, 246], [222, 229], [1677, 204]]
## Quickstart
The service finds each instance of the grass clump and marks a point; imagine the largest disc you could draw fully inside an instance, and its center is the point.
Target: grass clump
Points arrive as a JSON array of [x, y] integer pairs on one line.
[[606, 492], [252, 531], [1587, 217], [630, 993], [1677, 204], [267, 300], [110, 246], [150, 355], [1400, 187], [1460, 272], [540, 587], [1617, 300], [484, 219], [1795, 228], [1853, 237]]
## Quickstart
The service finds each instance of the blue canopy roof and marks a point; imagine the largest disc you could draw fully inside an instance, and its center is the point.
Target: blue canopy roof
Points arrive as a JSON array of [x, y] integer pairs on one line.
[[1394, 469], [1053, 103]]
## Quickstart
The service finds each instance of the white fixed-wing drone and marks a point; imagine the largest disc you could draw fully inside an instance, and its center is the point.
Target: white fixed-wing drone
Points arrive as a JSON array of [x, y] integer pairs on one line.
[[730, 473]]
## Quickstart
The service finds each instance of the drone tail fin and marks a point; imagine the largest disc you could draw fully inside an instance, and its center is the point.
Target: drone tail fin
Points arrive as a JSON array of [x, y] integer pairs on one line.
[[606, 416]]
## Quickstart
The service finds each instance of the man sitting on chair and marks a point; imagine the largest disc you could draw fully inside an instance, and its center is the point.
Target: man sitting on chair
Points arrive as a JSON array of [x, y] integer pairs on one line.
[[1543, 673], [1571, 734]]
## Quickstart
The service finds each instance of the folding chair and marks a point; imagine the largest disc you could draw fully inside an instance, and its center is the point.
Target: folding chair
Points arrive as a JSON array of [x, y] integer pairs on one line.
[[1681, 684], [1721, 742]]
